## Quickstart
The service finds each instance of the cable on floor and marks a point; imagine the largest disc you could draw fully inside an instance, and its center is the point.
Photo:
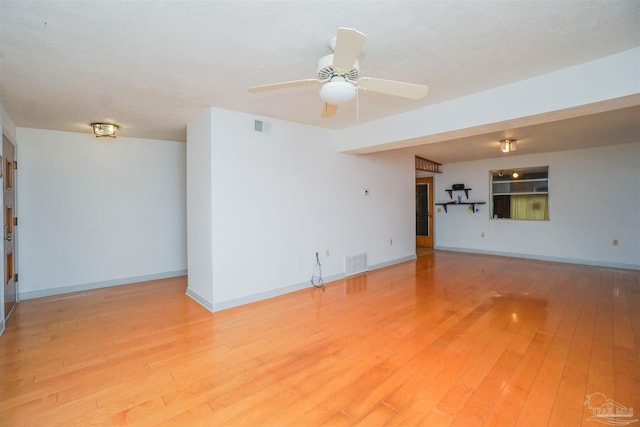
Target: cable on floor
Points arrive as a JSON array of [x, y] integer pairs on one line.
[[316, 277]]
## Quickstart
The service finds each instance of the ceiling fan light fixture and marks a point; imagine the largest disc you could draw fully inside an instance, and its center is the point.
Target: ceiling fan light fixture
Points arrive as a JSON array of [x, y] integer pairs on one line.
[[101, 130], [339, 75], [337, 92], [508, 145]]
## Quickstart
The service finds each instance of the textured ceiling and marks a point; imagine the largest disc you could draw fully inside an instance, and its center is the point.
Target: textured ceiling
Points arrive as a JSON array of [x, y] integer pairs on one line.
[[151, 66], [620, 126]]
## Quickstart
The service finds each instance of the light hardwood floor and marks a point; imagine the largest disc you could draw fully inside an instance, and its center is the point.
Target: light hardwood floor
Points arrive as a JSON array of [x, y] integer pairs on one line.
[[421, 251], [447, 339]]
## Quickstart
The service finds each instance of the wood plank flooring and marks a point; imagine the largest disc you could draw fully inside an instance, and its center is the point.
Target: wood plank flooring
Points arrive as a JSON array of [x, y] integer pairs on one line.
[[449, 339]]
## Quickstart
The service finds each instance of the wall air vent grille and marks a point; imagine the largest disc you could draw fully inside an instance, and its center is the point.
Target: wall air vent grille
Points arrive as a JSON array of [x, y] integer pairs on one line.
[[355, 264]]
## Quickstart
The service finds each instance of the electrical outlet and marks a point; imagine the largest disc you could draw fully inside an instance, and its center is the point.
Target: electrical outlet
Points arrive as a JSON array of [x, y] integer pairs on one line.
[[615, 242], [482, 234], [327, 252], [390, 241]]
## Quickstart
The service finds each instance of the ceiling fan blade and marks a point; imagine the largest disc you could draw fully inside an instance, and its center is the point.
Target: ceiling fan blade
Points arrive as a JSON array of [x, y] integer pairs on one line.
[[283, 85], [328, 110], [348, 45], [391, 87]]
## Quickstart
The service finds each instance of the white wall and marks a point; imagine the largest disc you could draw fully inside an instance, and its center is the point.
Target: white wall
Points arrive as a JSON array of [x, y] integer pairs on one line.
[[7, 125], [95, 212], [199, 237], [610, 80], [594, 198], [282, 195]]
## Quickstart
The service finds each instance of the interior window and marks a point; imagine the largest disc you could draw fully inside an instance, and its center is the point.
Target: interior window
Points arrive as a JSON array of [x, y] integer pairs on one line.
[[520, 193]]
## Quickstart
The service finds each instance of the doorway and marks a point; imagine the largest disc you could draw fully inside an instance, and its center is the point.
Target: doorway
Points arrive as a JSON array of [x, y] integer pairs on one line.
[[10, 276], [424, 212]]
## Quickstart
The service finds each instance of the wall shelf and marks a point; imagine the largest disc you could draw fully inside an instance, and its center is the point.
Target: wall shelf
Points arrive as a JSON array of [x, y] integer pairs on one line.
[[472, 204], [459, 202]]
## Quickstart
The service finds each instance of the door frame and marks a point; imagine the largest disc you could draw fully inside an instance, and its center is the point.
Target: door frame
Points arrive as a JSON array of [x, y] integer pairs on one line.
[[2, 314], [427, 241], [14, 229]]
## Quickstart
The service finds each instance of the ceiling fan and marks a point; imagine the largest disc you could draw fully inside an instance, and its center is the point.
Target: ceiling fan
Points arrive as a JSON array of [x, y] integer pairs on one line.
[[338, 74]]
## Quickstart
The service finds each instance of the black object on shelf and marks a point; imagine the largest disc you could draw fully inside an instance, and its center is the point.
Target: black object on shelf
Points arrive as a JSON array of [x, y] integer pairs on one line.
[[451, 190]]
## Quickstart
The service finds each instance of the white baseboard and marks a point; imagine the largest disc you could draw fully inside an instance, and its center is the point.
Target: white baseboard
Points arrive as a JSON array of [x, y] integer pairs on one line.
[[392, 262], [593, 263], [97, 285], [269, 294], [223, 305], [199, 299]]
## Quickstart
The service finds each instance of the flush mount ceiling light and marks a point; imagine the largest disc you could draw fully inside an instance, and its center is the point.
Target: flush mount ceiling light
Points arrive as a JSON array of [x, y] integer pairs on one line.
[[337, 91], [507, 145], [104, 130]]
